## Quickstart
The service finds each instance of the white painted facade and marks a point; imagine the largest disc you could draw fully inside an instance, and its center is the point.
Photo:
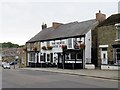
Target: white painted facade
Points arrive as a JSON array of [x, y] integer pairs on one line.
[[57, 48], [88, 44]]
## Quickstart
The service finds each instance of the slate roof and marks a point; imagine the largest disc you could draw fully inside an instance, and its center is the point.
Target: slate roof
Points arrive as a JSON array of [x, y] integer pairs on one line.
[[64, 31]]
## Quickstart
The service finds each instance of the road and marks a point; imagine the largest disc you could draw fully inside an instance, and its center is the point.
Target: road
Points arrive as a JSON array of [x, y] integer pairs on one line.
[[17, 78]]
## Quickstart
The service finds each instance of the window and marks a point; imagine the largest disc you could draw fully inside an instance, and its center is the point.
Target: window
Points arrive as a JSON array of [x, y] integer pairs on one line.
[[79, 56], [70, 43], [104, 56], [32, 56], [41, 57], [104, 49], [118, 55], [48, 43], [67, 56], [48, 57], [72, 55], [118, 31]]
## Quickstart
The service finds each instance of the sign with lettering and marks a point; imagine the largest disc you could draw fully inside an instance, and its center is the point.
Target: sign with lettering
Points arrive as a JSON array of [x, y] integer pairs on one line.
[[57, 44]]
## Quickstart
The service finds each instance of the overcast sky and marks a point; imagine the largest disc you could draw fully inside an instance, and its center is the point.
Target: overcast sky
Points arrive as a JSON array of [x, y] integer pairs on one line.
[[20, 20]]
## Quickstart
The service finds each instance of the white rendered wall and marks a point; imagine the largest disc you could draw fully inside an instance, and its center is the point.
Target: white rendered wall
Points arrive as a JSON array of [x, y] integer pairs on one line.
[[88, 47]]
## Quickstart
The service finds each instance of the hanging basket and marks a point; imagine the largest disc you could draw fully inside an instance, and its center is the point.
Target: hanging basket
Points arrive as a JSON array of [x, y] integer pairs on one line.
[[35, 48], [49, 47], [64, 46], [25, 49], [82, 46], [44, 48]]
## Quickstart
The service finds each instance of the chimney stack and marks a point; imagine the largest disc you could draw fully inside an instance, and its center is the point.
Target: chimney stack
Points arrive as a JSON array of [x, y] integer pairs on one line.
[[56, 25], [44, 26], [100, 17]]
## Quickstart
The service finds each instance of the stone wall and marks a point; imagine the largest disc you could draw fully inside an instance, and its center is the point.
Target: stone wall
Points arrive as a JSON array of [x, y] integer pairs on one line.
[[106, 35]]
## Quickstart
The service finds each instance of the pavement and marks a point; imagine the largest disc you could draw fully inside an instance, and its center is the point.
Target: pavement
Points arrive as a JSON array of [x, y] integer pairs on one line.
[[96, 73]]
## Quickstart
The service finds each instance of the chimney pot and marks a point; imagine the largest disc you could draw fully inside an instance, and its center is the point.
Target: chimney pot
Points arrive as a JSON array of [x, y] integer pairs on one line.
[[44, 26], [99, 11]]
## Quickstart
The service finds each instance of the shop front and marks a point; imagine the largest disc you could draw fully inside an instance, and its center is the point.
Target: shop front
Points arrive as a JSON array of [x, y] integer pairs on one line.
[[71, 59]]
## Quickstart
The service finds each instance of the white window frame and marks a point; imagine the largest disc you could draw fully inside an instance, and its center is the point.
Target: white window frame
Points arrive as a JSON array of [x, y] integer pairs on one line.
[[117, 32], [116, 56], [71, 43]]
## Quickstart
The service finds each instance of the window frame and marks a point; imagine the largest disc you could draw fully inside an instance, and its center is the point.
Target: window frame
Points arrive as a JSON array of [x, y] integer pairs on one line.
[[70, 43], [117, 32]]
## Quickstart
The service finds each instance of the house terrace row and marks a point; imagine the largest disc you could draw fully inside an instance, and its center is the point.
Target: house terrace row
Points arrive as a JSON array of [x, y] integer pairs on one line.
[[74, 45]]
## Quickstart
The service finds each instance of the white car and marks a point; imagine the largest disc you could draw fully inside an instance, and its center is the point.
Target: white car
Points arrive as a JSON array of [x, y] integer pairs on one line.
[[6, 66], [2, 63]]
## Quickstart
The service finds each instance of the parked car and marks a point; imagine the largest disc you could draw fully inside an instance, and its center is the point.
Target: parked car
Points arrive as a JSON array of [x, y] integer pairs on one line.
[[14, 62], [2, 63], [6, 66]]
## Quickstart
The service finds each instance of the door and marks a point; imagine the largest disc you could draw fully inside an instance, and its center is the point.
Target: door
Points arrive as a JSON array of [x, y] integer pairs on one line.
[[50, 57], [104, 58]]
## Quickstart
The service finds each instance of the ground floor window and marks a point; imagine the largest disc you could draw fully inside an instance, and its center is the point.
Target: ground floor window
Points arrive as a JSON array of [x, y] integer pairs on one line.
[[48, 57], [32, 56], [117, 56], [73, 56], [79, 56]]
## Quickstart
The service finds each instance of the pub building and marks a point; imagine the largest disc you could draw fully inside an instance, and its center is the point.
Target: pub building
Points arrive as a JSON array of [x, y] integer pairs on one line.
[[88, 44], [62, 45]]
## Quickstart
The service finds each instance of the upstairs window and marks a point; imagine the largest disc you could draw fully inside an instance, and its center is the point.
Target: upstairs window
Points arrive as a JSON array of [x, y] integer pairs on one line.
[[48, 43], [118, 31], [70, 43]]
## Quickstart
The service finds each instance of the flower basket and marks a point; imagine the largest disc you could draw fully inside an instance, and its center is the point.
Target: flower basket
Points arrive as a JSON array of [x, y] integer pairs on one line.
[[44, 48], [82, 46], [35, 48], [64, 46], [25, 49], [49, 47]]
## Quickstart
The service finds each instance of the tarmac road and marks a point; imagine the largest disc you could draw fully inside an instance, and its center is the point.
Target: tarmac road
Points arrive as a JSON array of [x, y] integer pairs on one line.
[[17, 78]]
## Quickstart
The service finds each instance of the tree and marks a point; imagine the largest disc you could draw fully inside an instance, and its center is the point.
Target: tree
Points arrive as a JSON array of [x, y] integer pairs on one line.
[[9, 45]]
